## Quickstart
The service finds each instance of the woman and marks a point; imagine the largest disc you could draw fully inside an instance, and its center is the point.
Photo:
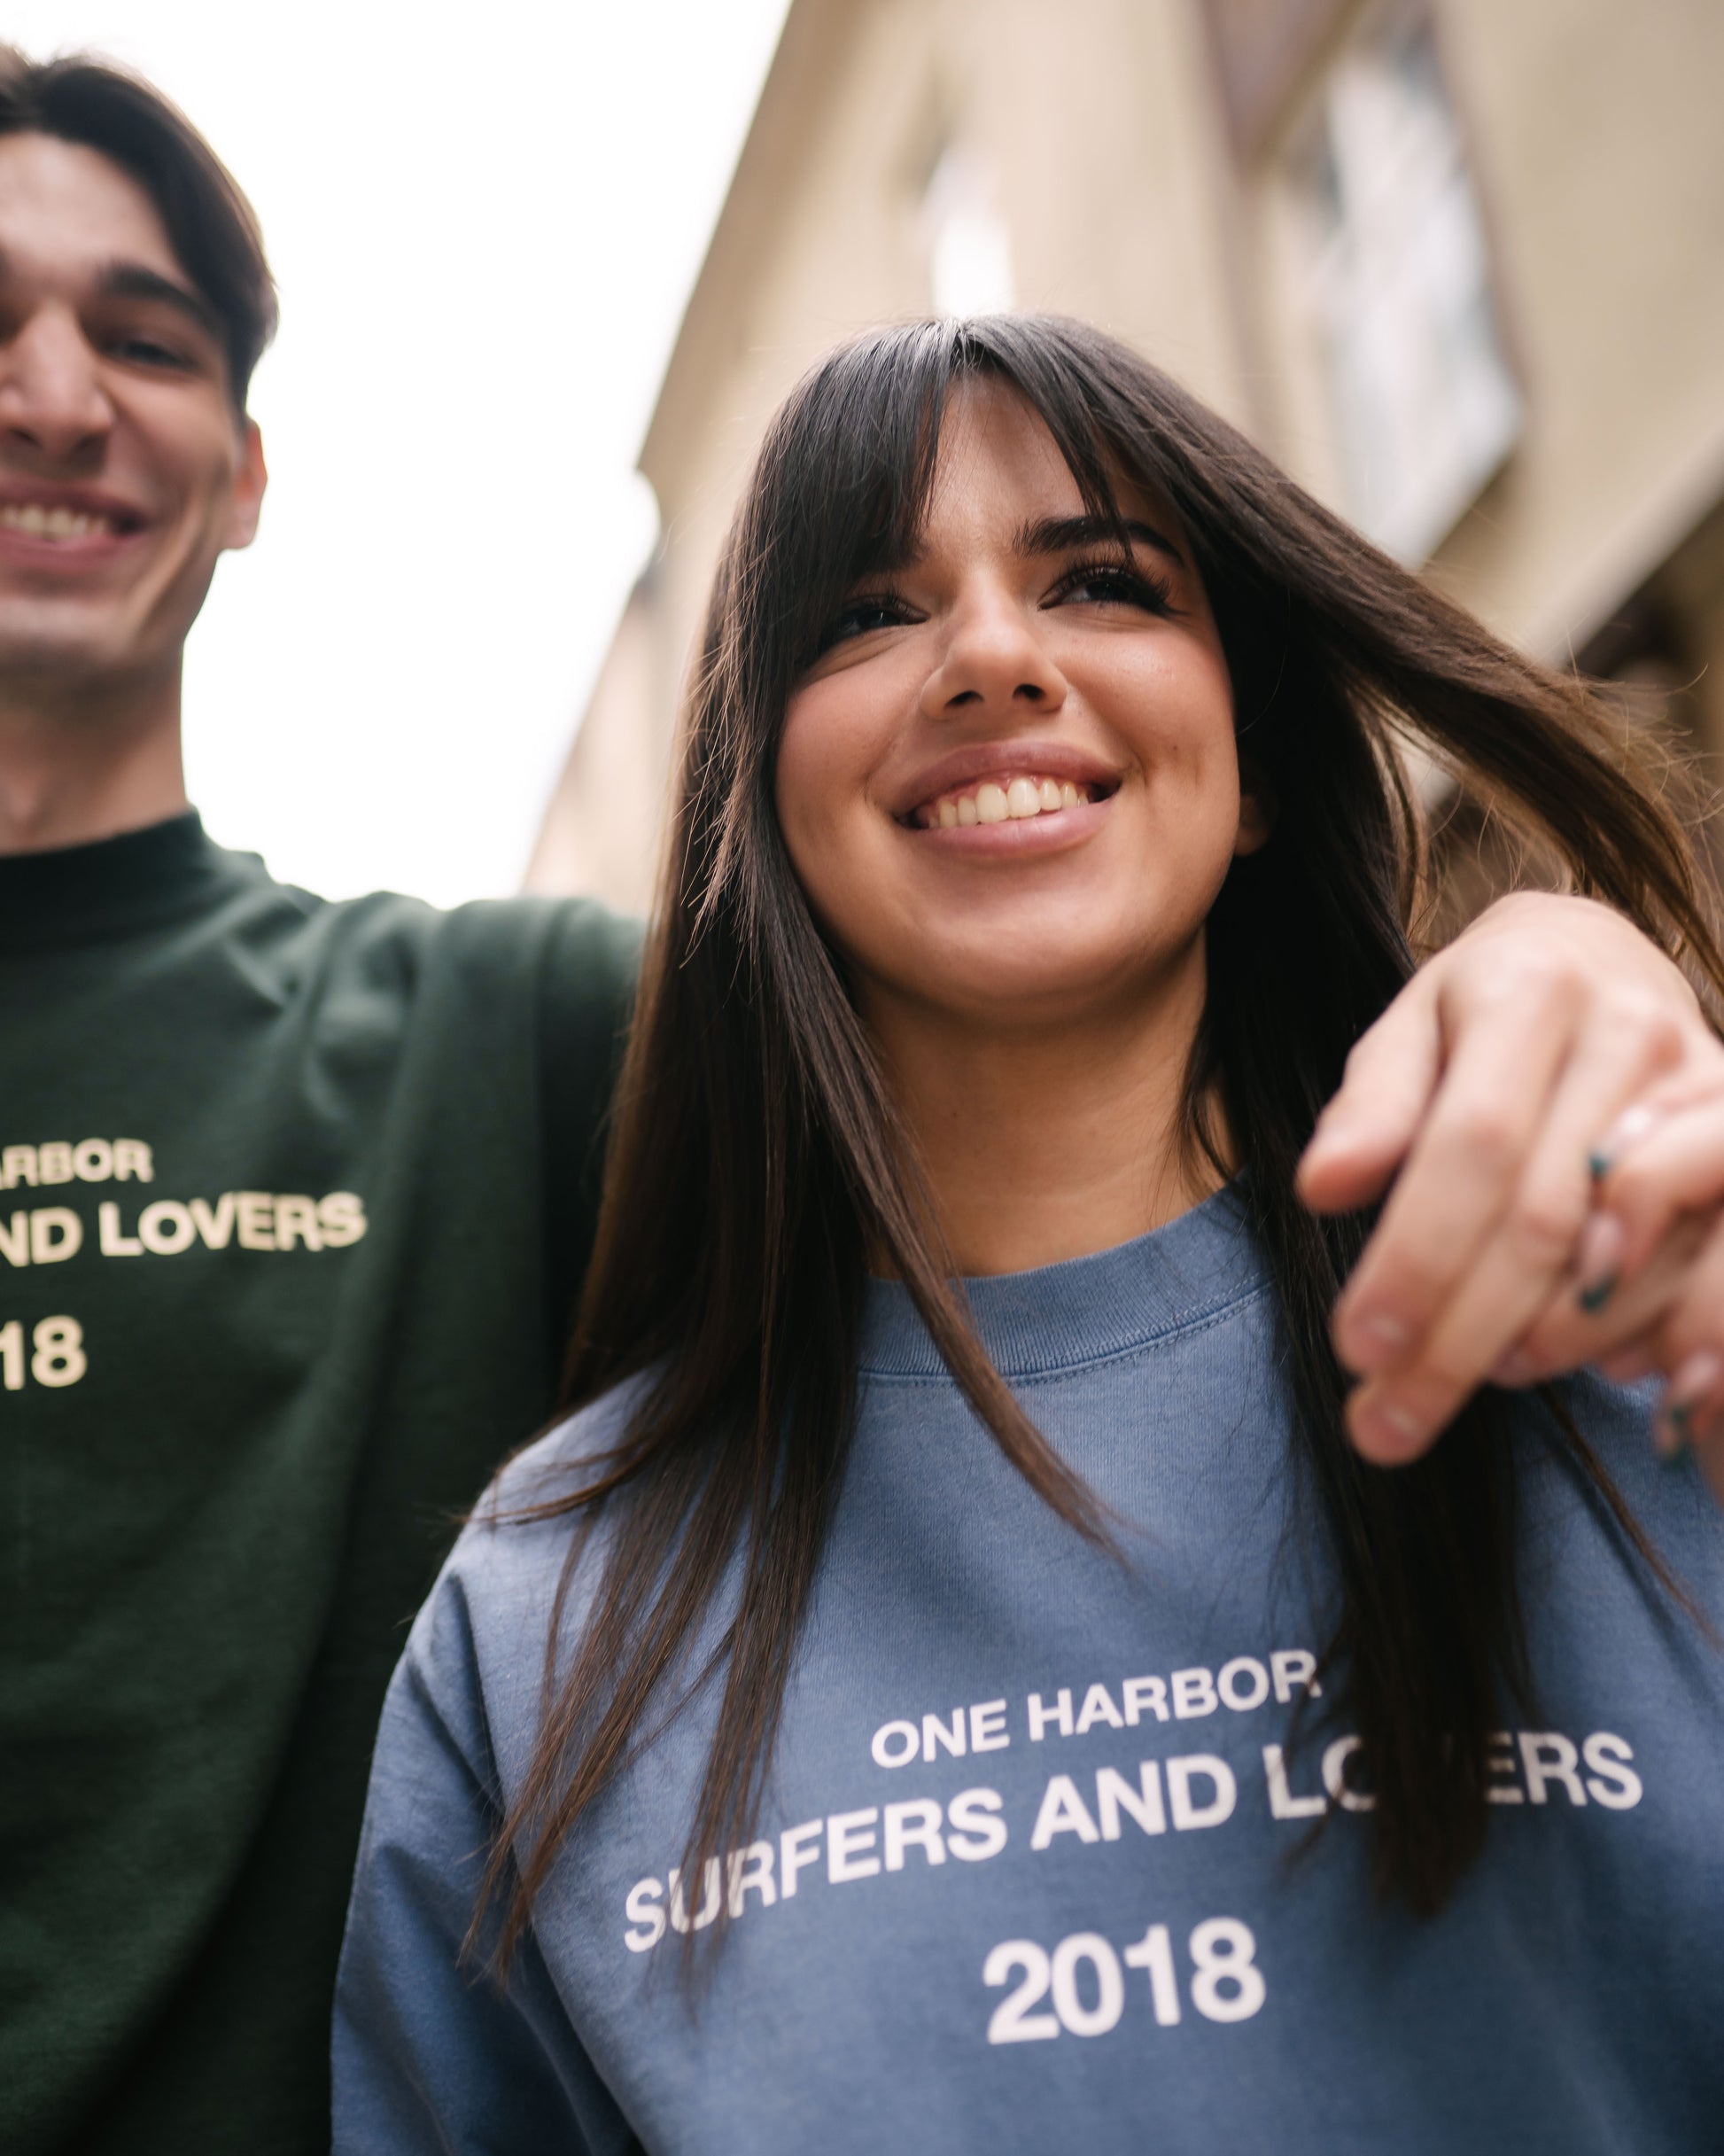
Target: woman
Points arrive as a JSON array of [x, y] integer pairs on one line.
[[895, 1715]]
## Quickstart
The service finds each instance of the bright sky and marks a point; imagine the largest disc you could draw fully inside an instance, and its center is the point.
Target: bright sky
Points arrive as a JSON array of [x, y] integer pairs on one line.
[[484, 224]]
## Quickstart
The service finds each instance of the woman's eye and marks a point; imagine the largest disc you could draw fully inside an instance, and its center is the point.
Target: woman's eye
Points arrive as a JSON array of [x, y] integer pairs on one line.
[[1109, 584], [860, 618]]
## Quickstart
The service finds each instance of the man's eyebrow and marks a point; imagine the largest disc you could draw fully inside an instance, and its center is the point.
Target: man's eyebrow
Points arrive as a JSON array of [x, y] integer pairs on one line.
[[1067, 534], [138, 281]]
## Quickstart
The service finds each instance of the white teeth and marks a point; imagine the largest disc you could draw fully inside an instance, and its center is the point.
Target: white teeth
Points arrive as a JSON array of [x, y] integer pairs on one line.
[[1017, 799], [57, 523]]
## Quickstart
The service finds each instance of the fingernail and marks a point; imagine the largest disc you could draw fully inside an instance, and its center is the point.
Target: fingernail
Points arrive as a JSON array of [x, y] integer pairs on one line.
[[1598, 1258], [1694, 1379], [1626, 1130], [1396, 1429]]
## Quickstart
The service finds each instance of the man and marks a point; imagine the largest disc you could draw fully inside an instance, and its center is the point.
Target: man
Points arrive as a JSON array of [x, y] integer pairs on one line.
[[293, 1201], [295, 1197]]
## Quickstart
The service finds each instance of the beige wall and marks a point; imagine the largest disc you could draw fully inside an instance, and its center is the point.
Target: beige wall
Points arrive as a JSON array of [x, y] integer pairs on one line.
[[1598, 160]]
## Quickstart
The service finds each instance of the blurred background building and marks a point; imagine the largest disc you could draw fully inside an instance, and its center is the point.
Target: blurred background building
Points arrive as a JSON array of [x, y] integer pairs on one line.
[[1456, 264]]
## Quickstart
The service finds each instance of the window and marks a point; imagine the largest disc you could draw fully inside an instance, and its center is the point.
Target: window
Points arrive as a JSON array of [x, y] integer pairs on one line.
[[1424, 405], [969, 250]]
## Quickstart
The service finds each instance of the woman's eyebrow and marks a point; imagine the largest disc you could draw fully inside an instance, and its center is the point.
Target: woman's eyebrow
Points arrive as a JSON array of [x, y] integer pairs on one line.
[[1067, 534]]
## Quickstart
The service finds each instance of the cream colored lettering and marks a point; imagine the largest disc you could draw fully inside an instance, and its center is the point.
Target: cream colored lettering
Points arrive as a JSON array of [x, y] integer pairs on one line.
[[54, 1233], [254, 1219], [296, 1221], [341, 1217], [166, 1229], [54, 1162], [18, 1164], [15, 1239], [1282, 1802], [114, 1243], [131, 1158], [92, 1160], [215, 1227]]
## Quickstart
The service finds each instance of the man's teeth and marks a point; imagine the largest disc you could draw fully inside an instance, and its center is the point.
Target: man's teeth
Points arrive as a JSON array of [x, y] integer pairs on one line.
[[40, 523], [1015, 802]]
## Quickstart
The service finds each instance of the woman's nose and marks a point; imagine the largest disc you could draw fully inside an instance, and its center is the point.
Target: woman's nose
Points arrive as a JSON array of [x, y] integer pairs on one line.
[[993, 658]]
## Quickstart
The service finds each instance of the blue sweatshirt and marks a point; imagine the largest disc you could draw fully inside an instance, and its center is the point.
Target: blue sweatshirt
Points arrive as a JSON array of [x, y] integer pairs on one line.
[[1036, 1868]]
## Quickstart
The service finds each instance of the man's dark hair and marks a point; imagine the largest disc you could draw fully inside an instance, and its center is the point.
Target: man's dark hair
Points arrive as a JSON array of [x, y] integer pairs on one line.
[[211, 227]]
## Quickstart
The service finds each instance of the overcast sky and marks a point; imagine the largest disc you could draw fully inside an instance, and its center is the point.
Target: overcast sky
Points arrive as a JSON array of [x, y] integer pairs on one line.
[[485, 223]]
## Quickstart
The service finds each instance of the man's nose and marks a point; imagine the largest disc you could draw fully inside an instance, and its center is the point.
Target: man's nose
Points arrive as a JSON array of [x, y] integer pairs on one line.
[[51, 398]]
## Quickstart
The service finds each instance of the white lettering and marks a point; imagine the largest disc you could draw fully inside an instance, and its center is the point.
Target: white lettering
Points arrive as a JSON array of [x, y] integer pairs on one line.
[[973, 1830], [54, 1164], [92, 1160], [642, 1909], [1293, 1666], [165, 1227], [751, 1868], [1143, 1693], [1256, 1682], [1282, 1802], [1547, 1756], [255, 1211], [15, 1239], [18, 1164], [891, 1734], [915, 1824], [214, 1227], [987, 1727], [1114, 1794], [115, 1244], [341, 1216], [1040, 1715], [848, 1834], [936, 1732], [791, 1858], [1098, 1706], [296, 1220], [1193, 1693], [1618, 1785], [710, 1896], [54, 1233], [1182, 1772], [1500, 1762], [131, 1158], [1334, 1776], [1063, 1812]]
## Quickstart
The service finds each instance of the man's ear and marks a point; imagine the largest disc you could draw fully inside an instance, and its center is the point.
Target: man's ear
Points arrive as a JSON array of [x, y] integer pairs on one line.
[[250, 479], [1258, 808]]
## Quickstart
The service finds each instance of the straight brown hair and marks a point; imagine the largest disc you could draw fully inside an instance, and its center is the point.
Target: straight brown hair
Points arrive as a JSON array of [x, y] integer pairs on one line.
[[757, 1155]]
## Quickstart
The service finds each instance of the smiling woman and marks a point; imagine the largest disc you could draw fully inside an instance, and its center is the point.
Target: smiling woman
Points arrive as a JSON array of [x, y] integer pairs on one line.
[[956, 1354]]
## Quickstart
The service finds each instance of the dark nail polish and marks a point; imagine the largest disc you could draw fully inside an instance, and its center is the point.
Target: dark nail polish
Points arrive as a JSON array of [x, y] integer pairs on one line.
[[1598, 1165], [1594, 1298]]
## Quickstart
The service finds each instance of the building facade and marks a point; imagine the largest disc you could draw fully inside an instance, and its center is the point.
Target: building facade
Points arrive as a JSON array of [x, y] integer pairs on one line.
[[1455, 264]]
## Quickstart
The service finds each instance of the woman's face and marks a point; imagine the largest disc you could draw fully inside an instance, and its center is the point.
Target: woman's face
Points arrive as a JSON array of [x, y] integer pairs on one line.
[[1009, 785]]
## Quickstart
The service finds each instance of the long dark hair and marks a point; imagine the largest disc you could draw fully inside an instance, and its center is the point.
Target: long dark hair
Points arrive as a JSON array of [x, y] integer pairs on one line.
[[757, 1161]]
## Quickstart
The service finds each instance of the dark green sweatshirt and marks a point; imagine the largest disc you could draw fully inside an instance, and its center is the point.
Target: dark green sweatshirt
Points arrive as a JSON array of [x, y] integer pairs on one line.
[[294, 1198]]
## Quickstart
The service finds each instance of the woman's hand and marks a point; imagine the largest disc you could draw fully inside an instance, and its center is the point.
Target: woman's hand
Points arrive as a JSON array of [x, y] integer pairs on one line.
[[1548, 1100]]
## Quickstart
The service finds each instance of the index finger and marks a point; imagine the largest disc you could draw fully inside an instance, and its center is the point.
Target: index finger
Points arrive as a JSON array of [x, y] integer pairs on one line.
[[1365, 1132]]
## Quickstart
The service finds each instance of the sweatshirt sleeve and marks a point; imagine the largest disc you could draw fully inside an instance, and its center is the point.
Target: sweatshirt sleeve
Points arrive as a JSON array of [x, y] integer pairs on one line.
[[430, 2051]]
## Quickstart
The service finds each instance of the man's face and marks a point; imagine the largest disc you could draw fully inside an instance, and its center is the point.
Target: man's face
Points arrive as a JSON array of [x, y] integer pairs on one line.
[[124, 469]]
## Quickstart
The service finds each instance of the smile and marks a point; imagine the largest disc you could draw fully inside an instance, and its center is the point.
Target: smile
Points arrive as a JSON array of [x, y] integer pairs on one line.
[[1007, 799], [37, 522]]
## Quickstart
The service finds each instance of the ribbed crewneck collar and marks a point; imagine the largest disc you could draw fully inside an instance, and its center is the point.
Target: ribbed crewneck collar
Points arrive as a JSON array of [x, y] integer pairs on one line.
[[1060, 1316], [116, 886]]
